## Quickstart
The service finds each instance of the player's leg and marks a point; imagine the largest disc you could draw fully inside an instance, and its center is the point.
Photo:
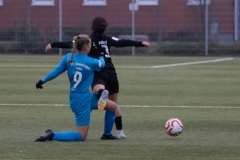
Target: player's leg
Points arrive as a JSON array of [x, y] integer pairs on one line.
[[109, 121], [108, 125], [113, 97], [109, 81], [118, 119], [82, 114], [78, 103], [80, 135], [113, 87], [83, 130], [109, 115]]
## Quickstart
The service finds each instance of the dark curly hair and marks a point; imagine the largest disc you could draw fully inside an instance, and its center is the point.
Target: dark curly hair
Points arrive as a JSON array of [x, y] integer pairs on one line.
[[99, 25]]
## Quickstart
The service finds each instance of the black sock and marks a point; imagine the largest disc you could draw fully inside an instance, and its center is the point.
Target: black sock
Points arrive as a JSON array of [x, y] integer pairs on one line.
[[118, 122], [99, 93]]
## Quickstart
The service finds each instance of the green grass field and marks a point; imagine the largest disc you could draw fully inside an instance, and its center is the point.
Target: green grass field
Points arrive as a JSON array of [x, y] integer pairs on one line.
[[204, 96]]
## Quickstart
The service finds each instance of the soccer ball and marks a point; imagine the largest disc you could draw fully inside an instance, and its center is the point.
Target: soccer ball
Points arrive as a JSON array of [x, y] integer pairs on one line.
[[173, 127]]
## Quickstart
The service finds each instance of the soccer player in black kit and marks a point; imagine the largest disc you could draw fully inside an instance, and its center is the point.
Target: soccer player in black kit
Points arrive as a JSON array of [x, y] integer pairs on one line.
[[107, 77]]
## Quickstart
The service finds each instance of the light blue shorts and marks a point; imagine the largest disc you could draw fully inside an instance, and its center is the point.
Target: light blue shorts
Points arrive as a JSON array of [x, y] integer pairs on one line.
[[82, 104]]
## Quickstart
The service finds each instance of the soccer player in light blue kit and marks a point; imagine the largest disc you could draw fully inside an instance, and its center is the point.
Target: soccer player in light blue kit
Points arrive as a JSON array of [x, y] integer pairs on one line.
[[81, 69]]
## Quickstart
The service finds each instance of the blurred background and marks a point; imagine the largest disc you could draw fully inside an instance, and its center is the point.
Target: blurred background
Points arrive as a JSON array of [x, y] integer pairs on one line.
[[173, 27]]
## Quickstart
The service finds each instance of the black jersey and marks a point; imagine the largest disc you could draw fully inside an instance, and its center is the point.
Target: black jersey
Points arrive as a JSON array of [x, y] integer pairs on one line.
[[102, 49]]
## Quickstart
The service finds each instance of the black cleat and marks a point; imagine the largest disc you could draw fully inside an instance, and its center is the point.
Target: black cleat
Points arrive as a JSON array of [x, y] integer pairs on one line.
[[46, 137], [109, 137]]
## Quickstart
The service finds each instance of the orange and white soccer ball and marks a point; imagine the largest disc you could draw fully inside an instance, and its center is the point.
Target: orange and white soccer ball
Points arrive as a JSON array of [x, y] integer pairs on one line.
[[174, 127]]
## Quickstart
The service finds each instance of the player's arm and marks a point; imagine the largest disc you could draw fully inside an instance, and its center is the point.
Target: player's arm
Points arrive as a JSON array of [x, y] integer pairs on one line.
[[67, 44], [113, 41], [99, 63], [59, 69]]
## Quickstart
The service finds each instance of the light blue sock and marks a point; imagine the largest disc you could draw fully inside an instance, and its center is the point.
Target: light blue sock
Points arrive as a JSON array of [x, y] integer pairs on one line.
[[67, 136], [108, 122]]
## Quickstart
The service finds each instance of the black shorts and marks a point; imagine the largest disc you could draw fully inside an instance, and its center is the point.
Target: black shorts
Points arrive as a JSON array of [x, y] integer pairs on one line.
[[108, 79]]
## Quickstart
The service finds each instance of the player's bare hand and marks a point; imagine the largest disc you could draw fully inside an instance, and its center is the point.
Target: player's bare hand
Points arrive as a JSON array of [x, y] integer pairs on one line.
[[146, 44], [48, 47]]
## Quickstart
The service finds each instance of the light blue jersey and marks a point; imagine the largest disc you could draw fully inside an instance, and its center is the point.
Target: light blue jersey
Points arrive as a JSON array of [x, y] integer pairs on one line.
[[80, 71], [80, 75]]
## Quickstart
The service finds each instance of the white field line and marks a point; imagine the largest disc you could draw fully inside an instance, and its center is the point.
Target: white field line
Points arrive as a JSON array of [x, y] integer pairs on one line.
[[127, 106], [179, 64], [153, 67], [190, 63], [27, 66]]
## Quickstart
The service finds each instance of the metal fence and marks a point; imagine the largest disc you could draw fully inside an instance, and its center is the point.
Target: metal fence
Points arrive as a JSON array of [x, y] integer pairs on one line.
[[173, 27]]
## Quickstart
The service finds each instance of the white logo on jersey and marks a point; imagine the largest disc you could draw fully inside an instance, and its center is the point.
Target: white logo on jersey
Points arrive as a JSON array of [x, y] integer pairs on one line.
[[114, 38], [102, 42], [94, 45], [77, 64], [78, 68]]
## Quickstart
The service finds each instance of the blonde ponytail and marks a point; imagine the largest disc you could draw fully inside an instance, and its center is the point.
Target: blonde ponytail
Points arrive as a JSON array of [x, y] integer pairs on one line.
[[78, 44]]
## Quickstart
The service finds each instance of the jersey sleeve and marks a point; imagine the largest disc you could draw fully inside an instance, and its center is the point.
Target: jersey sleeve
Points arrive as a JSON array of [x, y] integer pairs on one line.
[[67, 44], [113, 41], [59, 69], [100, 63]]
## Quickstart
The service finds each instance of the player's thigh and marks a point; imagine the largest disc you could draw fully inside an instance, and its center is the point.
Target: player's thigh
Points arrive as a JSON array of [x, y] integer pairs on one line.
[[94, 102], [81, 107], [113, 97]]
